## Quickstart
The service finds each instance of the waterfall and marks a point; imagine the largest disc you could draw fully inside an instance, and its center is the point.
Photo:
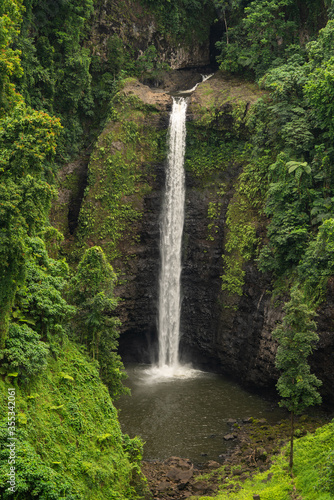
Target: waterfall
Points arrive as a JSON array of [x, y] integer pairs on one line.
[[171, 239], [172, 221]]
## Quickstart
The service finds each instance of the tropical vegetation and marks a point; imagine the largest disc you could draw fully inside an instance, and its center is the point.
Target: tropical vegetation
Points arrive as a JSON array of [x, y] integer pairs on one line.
[[58, 324]]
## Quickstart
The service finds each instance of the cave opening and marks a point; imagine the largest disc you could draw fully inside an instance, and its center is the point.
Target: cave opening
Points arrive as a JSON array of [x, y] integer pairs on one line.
[[216, 34]]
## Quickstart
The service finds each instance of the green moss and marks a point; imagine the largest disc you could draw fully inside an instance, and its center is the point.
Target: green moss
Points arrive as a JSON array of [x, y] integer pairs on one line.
[[69, 442], [214, 209], [244, 222], [216, 144], [209, 151], [241, 242], [120, 175]]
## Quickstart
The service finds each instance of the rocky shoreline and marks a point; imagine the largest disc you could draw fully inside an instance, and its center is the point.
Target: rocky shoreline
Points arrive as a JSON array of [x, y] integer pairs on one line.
[[256, 442]]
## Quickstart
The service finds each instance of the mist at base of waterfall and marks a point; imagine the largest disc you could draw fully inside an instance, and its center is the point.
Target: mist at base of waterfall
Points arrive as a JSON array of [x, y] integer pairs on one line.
[[156, 374]]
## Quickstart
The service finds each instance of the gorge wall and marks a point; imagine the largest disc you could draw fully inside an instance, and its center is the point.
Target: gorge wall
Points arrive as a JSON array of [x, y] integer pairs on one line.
[[123, 181], [220, 332]]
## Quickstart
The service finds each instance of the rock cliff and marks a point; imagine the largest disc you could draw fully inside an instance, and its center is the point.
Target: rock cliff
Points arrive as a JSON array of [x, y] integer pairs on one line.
[[137, 28], [218, 332]]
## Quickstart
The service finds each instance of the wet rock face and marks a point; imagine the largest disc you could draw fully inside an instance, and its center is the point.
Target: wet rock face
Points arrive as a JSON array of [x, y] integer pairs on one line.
[[202, 266], [216, 336], [244, 343], [138, 29], [138, 307], [239, 342]]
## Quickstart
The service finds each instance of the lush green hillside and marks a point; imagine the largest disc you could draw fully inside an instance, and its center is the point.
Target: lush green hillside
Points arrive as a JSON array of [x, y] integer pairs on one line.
[[68, 441], [290, 138]]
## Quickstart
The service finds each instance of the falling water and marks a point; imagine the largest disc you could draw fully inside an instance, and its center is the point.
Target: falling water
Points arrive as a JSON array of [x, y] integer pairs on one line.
[[171, 240], [170, 249]]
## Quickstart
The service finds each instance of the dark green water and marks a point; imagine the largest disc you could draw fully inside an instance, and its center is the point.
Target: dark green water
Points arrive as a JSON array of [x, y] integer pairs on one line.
[[186, 415]]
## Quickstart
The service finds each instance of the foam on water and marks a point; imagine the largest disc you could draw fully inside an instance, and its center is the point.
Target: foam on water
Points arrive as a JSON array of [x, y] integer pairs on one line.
[[156, 374]]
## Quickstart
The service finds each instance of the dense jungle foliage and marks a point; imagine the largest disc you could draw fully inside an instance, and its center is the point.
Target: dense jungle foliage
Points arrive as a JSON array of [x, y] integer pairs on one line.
[[54, 320], [290, 144], [58, 329], [282, 215]]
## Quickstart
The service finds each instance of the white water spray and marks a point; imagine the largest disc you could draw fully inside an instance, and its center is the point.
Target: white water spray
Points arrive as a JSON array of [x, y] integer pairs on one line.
[[171, 241]]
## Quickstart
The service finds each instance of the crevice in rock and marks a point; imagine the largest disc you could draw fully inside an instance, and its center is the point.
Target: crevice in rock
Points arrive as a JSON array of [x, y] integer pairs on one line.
[[77, 194], [216, 35]]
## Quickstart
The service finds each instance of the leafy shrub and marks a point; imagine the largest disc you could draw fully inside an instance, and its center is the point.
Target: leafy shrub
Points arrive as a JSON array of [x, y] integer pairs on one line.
[[39, 300], [259, 39], [91, 289], [34, 479], [24, 352], [317, 265]]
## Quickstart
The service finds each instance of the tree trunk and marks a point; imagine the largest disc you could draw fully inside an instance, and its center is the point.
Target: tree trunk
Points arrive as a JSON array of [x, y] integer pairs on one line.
[[226, 27], [291, 440]]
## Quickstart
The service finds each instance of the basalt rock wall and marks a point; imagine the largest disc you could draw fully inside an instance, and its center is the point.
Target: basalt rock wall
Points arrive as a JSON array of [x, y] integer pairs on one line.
[[233, 336], [220, 332], [213, 336]]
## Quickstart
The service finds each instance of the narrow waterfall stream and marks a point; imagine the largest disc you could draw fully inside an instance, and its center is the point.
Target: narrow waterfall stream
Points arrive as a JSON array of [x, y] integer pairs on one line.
[[171, 241]]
